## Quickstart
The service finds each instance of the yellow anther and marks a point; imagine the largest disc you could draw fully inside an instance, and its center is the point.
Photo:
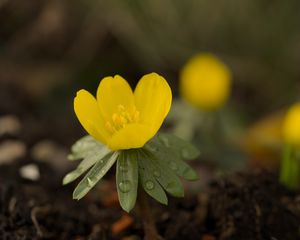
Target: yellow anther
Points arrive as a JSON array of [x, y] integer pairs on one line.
[[128, 116], [110, 127], [121, 118], [116, 119]]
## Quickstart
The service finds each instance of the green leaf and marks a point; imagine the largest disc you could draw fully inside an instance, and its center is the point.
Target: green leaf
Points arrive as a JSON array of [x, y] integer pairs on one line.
[[180, 147], [89, 160], [185, 171], [127, 178], [94, 175], [84, 147], [148, 181], [169, 157], [290, 168], [164, 175]]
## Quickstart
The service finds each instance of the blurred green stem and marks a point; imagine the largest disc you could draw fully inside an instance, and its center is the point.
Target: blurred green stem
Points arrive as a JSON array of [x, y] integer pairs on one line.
[[290, 168]]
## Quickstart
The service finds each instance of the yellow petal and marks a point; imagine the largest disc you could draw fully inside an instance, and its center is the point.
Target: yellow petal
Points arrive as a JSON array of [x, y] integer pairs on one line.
[[131, 136], [89, 115], [153, 98], [291, 125], [113, 92]]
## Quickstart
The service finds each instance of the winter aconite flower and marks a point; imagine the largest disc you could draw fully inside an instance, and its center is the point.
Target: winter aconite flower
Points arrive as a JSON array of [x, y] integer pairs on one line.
[[121, 118], [205, 82], [290, 165], [123, 127], [291, 126]]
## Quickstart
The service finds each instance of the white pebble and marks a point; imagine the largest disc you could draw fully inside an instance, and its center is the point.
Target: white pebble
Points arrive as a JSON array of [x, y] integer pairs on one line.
[[30, 171]]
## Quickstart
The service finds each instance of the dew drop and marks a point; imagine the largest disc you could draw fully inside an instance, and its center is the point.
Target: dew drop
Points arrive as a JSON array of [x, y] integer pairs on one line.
[[149, 185], [90, 182], [173, 166], [156, 173], [125, 186]]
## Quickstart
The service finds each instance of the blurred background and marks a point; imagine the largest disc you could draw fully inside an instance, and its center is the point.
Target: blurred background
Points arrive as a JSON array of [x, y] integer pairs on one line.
[[49, 49]]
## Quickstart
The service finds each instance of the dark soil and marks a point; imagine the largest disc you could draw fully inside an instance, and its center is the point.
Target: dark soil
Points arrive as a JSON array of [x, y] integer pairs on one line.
[[242, 206], [253, 206], [245, 206]]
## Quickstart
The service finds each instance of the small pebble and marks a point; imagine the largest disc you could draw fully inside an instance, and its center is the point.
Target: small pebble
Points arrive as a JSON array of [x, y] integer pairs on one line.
[[30, 171], [9, 124], [50, 152], [11, 150]]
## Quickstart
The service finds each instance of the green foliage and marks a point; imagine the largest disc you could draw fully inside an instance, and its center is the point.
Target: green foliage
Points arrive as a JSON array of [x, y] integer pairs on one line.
[[90, 151], [94, 175], [85, 147], [127, 179], [290, 168], [148, 179], [157, 168]]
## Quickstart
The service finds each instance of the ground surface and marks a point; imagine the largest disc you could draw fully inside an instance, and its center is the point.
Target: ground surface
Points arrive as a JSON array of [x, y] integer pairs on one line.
[[34, 205], [242, 206]]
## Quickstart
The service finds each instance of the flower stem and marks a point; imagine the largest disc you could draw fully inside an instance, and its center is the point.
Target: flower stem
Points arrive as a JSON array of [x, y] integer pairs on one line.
[[290, 168], [147, 218]]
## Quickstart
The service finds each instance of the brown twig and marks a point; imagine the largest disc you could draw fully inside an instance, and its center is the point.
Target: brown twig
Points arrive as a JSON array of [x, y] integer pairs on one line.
[[34, 213]]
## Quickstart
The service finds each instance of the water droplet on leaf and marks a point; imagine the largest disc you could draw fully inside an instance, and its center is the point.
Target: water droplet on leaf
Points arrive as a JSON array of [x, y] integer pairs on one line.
[[90, 182], [125, 186], [149, 185]]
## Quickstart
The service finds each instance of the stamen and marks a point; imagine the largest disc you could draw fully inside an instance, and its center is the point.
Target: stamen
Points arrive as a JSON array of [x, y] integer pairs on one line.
[[121, 118], [127, 115], [110, 127]]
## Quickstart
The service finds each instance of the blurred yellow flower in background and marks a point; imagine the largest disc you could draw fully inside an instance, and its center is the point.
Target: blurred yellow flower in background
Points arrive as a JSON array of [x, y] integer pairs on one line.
[[291, 126], [262, 141], [205, 82], [121, 118]]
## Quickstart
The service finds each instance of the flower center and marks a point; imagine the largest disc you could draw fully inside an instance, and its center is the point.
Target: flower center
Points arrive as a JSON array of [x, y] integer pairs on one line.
[[122, 117]]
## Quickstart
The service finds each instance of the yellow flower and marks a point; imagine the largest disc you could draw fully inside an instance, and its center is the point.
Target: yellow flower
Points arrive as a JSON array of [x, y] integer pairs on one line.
[[121, 118], [205, 82], [291, 126]]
